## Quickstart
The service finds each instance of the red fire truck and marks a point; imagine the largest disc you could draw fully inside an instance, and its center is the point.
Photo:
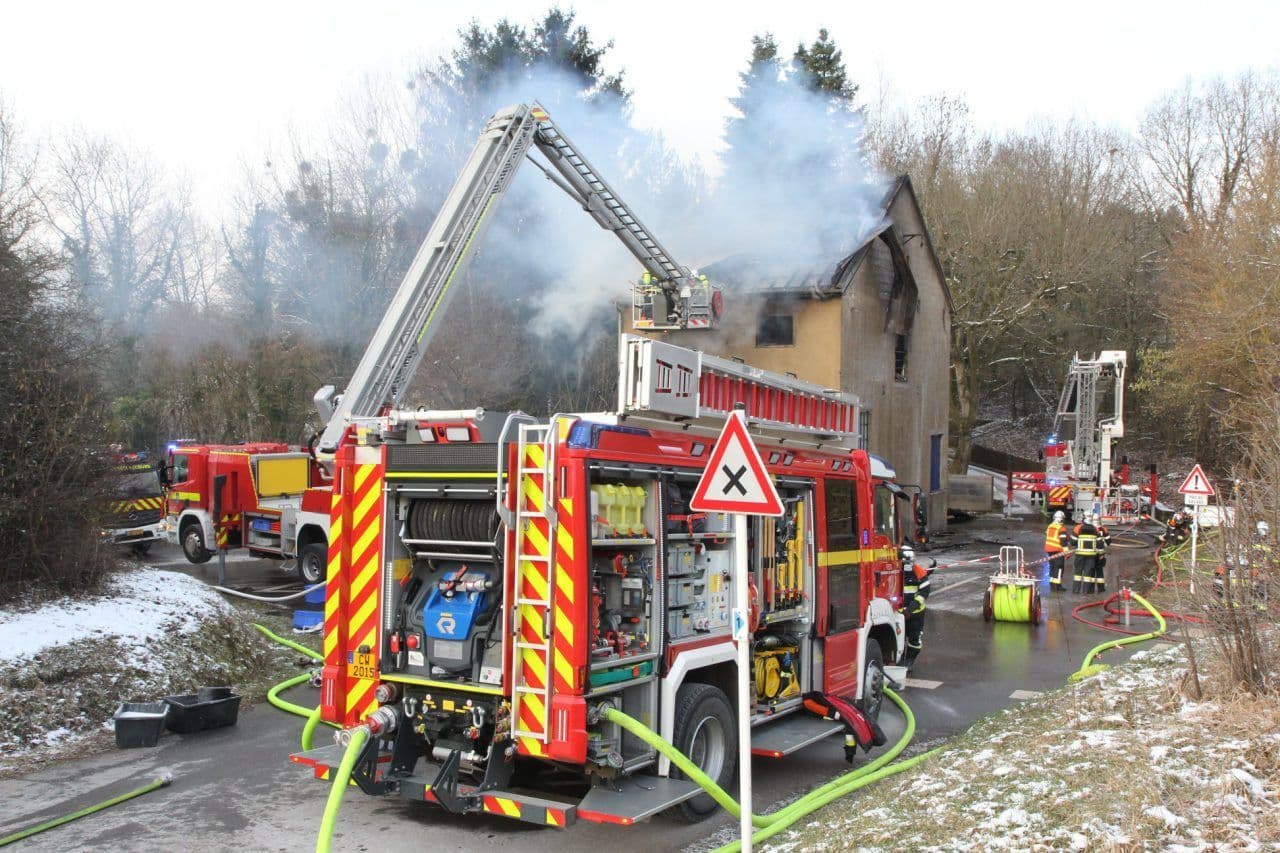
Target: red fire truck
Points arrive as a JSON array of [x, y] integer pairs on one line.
[[496, 582], [267, 497]]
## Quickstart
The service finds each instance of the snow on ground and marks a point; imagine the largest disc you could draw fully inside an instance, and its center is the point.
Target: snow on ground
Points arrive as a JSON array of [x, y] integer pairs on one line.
[[1122, 759], [136, 608], [67, 665]]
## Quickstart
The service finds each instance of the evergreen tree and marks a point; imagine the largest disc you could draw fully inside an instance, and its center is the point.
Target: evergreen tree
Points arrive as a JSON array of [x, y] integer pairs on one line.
[[821, 66], [762, 84], [796, 185]]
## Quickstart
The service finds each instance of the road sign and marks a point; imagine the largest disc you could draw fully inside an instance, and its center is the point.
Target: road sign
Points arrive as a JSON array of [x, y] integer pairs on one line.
[[1197, 484], [1192, 499], [735, 479]]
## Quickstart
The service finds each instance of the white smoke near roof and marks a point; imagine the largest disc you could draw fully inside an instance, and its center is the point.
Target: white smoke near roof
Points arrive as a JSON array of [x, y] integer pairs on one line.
[[799, 189]]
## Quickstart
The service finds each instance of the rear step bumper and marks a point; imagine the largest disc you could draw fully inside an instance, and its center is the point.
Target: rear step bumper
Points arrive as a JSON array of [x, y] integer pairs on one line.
[[634, 799]]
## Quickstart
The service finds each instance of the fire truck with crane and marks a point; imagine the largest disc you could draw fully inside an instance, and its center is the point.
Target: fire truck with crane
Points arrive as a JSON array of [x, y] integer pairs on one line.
[[1081, 474], [497, 582]]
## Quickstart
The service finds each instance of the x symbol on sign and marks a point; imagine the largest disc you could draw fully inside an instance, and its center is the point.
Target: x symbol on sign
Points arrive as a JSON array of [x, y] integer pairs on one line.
[[735, 480]]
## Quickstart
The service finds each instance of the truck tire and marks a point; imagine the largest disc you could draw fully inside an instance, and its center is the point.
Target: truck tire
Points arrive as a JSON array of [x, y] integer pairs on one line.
[[192, 539], [872, 697], [313, 563], [707, 733]]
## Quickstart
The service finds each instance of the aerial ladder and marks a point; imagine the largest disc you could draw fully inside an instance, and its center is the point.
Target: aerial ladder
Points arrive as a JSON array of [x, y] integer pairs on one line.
[[668, 296], [1080, 473]]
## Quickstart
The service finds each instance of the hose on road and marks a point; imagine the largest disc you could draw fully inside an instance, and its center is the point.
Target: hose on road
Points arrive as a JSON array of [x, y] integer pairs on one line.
[[311, 715], [768, 825], [88, 810], [292, 597], [341, 777], [1089, 668]]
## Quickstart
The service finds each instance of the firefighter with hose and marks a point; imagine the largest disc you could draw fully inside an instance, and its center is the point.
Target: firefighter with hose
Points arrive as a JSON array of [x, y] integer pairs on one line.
[[915, 589], [1055, 549]]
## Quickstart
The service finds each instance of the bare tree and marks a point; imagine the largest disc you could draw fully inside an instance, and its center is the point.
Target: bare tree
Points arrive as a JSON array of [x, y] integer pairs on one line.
[[18, 203], [122, 229]]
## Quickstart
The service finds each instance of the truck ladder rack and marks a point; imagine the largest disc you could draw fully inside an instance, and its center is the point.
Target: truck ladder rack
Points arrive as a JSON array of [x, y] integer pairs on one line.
[[534, 600]]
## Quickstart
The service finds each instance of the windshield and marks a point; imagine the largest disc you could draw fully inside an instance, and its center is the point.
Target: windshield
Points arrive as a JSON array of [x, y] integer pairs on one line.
[[138, 484]]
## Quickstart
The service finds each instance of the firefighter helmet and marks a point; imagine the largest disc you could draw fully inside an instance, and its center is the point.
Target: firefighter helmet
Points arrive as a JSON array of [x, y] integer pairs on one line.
[[1059, 517]]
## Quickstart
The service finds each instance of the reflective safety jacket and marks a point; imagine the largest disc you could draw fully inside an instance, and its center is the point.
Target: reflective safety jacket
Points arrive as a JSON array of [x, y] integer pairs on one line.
[[1087, 540], [915, 587], [1055, 538]]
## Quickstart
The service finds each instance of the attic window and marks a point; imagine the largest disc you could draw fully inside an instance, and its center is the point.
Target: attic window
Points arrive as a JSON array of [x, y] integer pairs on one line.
[[900, 358], [775, 328]]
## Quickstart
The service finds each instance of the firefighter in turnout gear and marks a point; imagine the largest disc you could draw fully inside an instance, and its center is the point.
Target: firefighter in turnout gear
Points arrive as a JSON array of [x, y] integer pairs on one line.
[[1089, 543], [1055, 549], [915, 589]]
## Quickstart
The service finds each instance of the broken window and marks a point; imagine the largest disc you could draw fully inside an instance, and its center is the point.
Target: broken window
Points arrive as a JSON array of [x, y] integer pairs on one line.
[[900, 358], [775, 328]]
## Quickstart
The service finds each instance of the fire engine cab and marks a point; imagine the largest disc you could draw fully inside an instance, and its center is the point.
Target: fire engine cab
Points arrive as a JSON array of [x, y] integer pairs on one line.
[[266, 497]]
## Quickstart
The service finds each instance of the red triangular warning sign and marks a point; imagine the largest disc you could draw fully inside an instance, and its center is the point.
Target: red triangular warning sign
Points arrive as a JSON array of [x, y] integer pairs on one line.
[[1197, 483], [735, 479]]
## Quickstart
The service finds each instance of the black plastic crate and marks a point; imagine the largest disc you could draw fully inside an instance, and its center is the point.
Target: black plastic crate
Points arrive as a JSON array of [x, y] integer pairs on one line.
[[139, 723], [207, 708]]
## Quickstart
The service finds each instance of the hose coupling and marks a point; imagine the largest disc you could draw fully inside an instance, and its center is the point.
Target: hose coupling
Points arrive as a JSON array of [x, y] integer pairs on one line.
[[380, 722]]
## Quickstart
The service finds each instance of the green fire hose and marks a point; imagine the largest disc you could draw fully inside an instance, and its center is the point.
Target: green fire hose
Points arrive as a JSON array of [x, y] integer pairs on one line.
[[1089, 668], [312, 715], [341, 777], [105, 804], [772, 823]]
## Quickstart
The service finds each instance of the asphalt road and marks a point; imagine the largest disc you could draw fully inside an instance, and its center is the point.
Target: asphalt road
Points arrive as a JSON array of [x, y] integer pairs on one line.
[[234, 789]]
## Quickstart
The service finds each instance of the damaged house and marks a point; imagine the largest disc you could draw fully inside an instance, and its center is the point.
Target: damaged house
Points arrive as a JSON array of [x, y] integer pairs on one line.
[[875, 323]]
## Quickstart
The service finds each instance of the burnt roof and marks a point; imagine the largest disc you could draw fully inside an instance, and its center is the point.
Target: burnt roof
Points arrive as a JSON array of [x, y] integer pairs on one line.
[[816, 277]]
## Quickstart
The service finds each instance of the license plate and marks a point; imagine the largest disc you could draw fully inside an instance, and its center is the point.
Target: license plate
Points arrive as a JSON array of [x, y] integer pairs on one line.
[[137, 533], [362, 665]]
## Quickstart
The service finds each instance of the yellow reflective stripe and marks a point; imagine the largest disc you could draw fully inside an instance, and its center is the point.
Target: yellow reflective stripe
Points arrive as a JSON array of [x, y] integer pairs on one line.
[[185, 496], [862, 555]]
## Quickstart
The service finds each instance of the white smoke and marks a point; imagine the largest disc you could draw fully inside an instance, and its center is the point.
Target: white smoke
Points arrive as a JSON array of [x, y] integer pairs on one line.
[[801, 191]]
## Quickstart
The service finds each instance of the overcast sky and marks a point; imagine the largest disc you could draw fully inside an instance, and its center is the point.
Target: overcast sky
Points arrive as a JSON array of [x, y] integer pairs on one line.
[[205, 86]]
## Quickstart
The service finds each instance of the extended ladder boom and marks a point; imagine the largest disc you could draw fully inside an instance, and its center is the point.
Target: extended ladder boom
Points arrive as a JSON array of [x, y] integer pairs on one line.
[[407, 327]]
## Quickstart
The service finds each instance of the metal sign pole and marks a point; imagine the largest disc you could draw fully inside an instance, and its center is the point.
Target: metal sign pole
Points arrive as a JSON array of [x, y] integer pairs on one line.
[[1195, 527], [742, 636]]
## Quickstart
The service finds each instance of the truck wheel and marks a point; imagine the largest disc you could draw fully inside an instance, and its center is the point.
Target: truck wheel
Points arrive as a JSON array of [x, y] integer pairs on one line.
[[707, 734], [872, 681], [193, 543], [313, 563]]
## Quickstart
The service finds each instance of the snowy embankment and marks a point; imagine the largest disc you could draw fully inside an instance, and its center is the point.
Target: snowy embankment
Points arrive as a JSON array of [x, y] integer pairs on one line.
[[66, 665], [1119, 761]]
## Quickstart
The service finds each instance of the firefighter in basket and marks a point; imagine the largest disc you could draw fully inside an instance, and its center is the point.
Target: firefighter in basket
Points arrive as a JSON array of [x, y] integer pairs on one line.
[[915, 589]]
